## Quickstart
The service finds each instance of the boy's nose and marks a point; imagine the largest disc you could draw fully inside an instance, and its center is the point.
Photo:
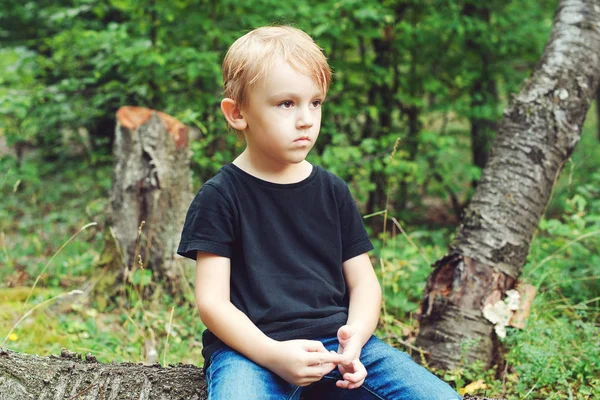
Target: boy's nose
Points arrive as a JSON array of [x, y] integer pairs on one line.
[[305, 119]]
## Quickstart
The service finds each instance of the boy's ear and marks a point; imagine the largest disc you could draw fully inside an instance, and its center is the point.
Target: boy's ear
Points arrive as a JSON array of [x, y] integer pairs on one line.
[[233, 115]]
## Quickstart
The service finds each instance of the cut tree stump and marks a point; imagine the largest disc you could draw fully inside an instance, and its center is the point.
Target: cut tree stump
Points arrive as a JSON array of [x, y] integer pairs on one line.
[[149, 197]]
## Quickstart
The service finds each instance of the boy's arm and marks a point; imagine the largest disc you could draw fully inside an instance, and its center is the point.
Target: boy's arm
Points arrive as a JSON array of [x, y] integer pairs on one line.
[[363, 315], [365, 297], [299, 362]]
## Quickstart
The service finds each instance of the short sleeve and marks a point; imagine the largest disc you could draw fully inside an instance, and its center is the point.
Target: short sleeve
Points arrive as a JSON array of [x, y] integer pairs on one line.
[[355, 240], [208, 225]]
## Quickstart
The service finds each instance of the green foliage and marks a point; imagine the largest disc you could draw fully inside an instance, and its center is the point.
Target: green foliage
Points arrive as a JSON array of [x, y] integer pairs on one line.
[[396, 65], [36, 216], [557, 356], [406, 264], [142, 277], [41, 206]]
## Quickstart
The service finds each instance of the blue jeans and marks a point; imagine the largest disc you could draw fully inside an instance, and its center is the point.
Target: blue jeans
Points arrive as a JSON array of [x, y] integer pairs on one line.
[[391, 375]]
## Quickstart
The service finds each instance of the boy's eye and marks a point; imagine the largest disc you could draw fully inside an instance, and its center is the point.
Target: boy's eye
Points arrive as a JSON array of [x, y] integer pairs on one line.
[[316, 103], [286, 104]]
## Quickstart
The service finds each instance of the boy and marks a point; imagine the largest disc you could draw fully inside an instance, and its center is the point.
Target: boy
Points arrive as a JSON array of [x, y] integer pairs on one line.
[[284, 284]]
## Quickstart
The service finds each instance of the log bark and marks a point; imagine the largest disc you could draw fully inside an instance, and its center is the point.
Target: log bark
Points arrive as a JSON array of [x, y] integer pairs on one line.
[[538, 133], [72, 376], [150, 193]]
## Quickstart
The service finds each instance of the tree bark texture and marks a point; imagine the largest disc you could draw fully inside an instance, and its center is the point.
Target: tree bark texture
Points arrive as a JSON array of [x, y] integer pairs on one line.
[[70, 376], [148, 200], [538, 133]]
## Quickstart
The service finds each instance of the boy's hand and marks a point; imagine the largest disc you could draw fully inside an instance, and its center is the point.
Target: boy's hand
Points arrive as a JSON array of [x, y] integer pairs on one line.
[[302, 362], [352, 370]]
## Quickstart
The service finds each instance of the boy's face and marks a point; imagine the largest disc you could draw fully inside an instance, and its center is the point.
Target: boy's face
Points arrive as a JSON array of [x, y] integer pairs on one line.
[[283, 114]]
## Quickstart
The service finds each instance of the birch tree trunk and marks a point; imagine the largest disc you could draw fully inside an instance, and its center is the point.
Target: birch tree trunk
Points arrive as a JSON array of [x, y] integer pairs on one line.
[[538, 133], [148, 200]]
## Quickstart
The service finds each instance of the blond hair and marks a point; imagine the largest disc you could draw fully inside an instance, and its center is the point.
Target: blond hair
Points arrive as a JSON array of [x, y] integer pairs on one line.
[[251, 56]]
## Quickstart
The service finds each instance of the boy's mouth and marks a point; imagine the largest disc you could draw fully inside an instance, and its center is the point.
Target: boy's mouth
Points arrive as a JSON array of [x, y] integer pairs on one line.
[[302, 138]]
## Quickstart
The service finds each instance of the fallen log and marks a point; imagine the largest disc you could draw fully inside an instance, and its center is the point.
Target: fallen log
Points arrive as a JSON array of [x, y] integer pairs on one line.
[[74, 376]]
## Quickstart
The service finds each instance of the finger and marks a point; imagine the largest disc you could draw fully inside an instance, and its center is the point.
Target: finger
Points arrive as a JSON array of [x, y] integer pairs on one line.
[[355, 377], [344, 333], [358, 375], [322, 370], [306, 381], [318, 363], [355, 385], [314, 346], [349, 355], [327, 367], [342, 384], [359, 382], [317, 372], [324, 358], [345, 384], [340, 351]]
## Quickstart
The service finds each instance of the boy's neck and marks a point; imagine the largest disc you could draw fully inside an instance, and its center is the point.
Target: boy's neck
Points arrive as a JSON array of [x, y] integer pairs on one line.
[[272, 170]]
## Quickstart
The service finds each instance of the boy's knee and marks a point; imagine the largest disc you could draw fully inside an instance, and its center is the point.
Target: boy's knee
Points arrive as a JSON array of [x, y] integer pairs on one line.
[[233, 376], [229, 366], [438, 391], [396, 374]]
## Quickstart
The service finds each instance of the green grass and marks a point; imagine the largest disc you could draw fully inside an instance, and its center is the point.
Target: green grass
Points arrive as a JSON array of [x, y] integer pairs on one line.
[[41, 209], [119, 335]]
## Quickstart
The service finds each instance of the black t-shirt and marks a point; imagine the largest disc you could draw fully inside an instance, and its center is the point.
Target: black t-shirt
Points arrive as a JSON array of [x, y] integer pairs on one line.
[[286, 243]]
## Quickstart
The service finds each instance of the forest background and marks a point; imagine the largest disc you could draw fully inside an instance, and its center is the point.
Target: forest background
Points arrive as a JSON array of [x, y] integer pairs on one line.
[[418, 89]]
